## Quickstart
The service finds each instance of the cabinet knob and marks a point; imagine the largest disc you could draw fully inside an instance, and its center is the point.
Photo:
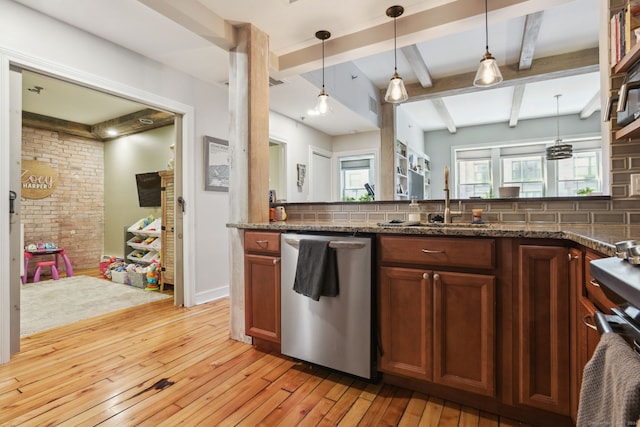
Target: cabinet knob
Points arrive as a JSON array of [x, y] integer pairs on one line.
[[593, 282], [436, 276], [276, 260], [425, 276], [572, 257]]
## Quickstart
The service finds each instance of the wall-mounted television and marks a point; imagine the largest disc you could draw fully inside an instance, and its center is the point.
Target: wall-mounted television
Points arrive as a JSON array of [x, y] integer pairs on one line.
[[148, 189]]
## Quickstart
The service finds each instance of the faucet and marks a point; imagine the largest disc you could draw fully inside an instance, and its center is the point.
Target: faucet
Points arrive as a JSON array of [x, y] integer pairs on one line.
[[447, 201], [448, 213]]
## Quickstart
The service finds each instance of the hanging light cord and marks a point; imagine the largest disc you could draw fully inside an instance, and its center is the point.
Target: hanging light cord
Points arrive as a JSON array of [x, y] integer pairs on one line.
[[322, 63], [558, 117], [486, 24], [395, 52]]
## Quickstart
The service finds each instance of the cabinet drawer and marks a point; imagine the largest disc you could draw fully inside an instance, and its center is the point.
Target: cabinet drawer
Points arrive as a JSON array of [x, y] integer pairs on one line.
[[262, 242], [437, 251], [597, 297]]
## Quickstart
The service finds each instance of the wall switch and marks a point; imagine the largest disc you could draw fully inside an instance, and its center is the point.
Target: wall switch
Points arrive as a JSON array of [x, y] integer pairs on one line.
[[635, 184]]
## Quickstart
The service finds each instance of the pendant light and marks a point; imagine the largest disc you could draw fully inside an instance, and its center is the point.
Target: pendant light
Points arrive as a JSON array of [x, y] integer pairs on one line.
[[396, 92], [322, 104], [558, 150], [488, 73]]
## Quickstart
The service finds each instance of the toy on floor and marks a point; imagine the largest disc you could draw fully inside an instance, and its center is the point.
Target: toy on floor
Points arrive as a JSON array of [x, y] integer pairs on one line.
[[152, 278]]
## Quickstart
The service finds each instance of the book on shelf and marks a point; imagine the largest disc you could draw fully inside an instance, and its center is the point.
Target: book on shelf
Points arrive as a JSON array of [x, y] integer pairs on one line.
[[623, 34]]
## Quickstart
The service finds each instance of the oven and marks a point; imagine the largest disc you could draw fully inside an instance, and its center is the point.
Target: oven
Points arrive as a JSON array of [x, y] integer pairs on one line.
[[619, 279]]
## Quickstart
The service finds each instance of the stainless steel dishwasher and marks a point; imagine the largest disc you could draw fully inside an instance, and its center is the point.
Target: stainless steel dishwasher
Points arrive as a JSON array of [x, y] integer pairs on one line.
[[334, 332]]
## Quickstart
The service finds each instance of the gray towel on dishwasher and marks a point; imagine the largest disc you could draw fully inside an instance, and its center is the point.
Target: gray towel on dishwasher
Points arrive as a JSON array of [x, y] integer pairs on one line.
[[317, 270], [610, 391]]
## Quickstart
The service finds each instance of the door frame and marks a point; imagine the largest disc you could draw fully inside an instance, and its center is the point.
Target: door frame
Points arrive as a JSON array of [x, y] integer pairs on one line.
[[185, 154]]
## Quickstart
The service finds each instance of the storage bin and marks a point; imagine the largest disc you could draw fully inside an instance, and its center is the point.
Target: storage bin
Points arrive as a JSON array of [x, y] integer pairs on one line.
[[139, 280], [120, 277]]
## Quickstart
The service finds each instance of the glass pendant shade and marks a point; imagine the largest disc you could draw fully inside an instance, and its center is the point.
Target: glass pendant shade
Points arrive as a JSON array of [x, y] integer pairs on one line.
[[322, 104], [488, 73], [396, 92]]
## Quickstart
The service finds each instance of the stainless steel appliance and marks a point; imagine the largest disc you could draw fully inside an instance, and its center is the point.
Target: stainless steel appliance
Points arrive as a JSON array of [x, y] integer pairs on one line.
[[629, 98], [620, 281], [335, 332]]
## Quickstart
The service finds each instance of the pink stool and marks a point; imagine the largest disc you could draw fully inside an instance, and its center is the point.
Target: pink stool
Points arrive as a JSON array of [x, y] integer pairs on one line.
[[54, 270]]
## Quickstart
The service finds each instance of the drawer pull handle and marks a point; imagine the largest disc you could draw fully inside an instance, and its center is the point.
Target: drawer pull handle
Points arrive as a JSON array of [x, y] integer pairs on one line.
[[425, 276], [431, 251], [262, 243], [592, 282], [572, 257], [585, 320], [276, 260]]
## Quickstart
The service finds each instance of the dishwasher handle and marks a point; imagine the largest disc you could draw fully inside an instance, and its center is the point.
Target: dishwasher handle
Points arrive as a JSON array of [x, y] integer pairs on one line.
[[335, 244]]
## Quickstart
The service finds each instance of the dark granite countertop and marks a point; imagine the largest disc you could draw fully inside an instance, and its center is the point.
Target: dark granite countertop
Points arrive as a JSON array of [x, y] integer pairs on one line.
[[600, 238]]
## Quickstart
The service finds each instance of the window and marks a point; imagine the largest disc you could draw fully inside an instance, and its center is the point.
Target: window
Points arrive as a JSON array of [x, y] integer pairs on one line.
[[480, 171], [524, 172], [580, 174], [355, 172], [474, 178]]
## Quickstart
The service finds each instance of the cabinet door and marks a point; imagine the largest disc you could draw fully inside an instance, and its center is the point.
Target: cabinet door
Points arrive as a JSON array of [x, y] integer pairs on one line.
[[464, 331], [405, 322], [542, 343], [262, 297]]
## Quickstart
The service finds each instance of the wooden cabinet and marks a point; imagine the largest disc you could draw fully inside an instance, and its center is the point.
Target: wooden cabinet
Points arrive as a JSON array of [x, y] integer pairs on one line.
[[262, 288], [437, 325], [167, 250], [542, 341]]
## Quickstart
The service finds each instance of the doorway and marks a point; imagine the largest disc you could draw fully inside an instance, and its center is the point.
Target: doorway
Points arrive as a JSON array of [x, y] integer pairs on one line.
[[182, 296]]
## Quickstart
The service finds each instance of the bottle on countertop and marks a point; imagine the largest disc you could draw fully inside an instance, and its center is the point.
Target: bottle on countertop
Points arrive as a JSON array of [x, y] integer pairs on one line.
[[414, 210]]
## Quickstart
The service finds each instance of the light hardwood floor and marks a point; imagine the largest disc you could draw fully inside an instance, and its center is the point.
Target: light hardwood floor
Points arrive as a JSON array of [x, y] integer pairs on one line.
[[160, 365]]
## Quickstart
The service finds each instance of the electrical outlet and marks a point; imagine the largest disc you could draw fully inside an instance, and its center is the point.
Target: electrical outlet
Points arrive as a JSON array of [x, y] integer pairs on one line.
[[635, 184]]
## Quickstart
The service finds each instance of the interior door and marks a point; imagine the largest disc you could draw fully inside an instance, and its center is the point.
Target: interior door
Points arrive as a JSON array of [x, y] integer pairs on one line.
[[320, 181], [15, 229]]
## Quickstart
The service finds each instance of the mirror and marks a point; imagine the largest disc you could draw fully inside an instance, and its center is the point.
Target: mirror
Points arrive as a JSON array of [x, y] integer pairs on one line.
[[506, 126]]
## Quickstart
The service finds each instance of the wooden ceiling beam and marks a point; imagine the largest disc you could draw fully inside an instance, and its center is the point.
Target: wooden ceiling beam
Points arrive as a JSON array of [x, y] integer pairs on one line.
[[412, 54], [444, 114], [516, 104], [125, 125], [551, 67], [591, 107], [529, 38]]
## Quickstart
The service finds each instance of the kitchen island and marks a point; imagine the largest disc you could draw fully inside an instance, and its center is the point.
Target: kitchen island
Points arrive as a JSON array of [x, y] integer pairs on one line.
[[489, 315]]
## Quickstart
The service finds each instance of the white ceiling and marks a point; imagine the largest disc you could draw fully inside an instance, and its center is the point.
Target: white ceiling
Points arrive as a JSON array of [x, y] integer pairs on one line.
[[193, 35]]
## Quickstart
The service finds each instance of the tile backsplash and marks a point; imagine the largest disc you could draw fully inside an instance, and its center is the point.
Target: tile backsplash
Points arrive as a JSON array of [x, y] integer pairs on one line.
[[576, 210]]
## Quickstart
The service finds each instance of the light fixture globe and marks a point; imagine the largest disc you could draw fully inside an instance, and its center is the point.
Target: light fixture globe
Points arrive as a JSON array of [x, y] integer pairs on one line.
[[322, 103], [488, 73], [396, 91]]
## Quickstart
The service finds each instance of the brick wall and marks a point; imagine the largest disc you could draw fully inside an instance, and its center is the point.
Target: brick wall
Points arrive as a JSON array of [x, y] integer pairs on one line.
[[73, 216]]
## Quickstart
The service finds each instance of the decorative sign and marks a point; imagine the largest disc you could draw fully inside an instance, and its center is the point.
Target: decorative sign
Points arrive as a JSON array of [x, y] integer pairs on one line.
[[39, 179]]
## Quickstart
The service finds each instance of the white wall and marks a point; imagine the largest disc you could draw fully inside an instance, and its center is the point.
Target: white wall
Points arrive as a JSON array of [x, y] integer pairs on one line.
[[29, 38], [124, 157], [299, 139]]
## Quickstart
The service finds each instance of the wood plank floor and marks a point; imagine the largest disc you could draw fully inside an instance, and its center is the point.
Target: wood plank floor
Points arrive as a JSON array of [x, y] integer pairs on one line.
[[160, 365]]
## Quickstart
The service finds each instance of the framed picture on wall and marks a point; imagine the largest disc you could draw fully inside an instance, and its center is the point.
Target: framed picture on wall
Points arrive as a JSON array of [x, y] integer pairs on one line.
[[216, 164]]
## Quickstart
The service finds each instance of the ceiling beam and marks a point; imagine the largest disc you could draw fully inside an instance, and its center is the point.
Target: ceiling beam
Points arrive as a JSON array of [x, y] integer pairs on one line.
[[516, 103], [529, 38], [198, 19], [128, 124], [412, 54], [448, 18], [592, 106], [443, 112], [551, 67]]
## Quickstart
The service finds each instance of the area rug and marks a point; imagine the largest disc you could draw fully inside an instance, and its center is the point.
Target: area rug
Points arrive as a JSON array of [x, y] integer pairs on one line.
[[52, 303]]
